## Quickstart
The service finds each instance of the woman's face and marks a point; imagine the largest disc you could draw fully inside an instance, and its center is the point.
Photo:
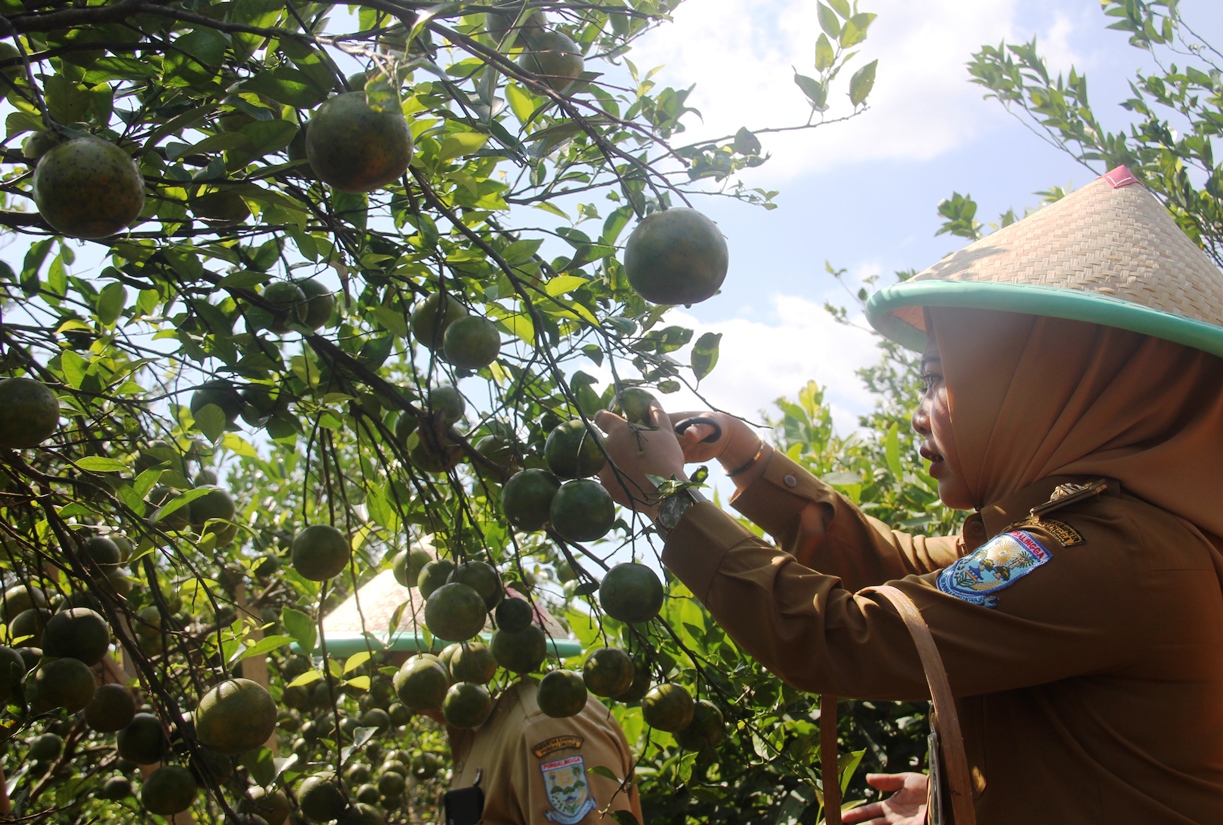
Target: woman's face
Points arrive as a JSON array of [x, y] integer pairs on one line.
[[932, 421]]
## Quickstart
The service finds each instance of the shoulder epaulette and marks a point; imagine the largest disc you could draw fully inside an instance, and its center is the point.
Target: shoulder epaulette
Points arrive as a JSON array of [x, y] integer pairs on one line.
[[1067, 494]]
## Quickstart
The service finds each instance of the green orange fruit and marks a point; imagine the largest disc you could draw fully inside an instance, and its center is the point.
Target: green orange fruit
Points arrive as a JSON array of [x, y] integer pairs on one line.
[[634, 404], [29, 413], [27, 627], [65, 683], [677, 256], [77, 633], [88, 188], [356, 148], [455, 612], [706, 729], [631, 592], [562, 693], [218, 392], [499, 23], [236, 716], [467, 705], [582, 510], [668, 707], [168, 790], [272, 805], [408, 564], [483, 578], [608, 671], [433, 575], [320, 552], [514, 614], [471, 662], [112, 708], [421, 683], [521, 651], [526, 498], [143, 741], [574, 450], [552, 57], [321, 798], [447, 403], [320, 302], [287, 304], [471, 342], [431, 318], [640, 687]]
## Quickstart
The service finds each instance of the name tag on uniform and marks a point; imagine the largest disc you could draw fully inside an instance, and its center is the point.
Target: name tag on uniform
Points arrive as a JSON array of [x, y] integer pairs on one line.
[[995, 565]]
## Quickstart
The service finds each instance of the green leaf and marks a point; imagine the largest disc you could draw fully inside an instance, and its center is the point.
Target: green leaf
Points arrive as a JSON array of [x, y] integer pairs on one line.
[[564, 284], [66, 100], [301, 627], [461, 143], [891, 443], [816, 92], [705, 354], [211, 421], [829, 22], [307, 678], [264, 645], [287, 85], [111, 301], [195, 57], [824, 55], [100, 464], [746, 143], [854, 31], [521, 104], [74, 367], [841, 7], [356, 660], [861, 83]]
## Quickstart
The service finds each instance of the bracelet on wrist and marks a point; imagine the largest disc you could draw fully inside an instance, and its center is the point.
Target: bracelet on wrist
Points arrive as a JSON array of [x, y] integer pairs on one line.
[[744, 468]]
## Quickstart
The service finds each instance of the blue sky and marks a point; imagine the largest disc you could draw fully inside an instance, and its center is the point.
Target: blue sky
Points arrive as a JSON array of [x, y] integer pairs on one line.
[[863, 195]]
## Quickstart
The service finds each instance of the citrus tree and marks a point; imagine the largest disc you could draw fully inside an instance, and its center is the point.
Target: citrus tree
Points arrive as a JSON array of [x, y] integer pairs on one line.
[[295, 289]]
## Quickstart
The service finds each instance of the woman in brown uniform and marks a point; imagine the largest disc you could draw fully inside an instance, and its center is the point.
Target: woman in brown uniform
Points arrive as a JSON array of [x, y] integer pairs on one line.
[[1074, 403]]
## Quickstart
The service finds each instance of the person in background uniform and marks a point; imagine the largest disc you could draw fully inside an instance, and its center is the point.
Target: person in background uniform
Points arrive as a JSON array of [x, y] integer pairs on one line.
[[531, 768], [1074, 404]]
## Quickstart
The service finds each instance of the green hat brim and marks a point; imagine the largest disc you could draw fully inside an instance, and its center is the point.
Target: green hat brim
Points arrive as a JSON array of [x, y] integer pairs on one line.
[[1032, 299]]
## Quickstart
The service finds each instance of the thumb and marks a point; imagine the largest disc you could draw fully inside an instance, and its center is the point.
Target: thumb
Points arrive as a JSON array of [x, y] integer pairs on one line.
[[605, 420], [886, 781]]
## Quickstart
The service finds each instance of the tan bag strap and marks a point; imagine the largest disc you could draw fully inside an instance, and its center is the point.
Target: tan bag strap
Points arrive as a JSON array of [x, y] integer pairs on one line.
[[830, 768], [945, 718]]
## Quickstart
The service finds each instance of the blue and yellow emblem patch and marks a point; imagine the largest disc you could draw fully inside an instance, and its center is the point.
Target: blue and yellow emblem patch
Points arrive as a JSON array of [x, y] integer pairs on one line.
[[998, 563], [568, 790]]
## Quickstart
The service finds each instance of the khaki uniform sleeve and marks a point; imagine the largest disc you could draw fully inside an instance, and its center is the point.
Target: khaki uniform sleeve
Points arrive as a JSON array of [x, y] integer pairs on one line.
[[825, 531], [568, 749], [822, 637]]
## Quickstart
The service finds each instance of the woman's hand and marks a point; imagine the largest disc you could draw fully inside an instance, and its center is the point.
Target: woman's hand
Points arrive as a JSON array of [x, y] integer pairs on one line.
[[734, 448], [637, 451], [907, 806]]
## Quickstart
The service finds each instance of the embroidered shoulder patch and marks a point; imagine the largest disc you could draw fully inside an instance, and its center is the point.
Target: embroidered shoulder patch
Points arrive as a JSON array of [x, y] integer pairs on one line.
[[1063, 533], [569, 796], [556, 743], [997, 564]]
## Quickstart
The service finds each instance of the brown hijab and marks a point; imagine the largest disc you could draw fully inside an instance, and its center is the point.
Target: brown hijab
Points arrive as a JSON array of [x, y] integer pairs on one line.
[[1032, 397]]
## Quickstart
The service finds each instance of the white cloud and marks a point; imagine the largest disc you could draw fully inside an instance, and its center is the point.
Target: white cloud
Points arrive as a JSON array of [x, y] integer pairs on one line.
[[922, 105], [760, 361]]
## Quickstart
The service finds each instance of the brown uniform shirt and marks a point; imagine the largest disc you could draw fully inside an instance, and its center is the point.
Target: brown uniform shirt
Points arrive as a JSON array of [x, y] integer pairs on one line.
[[1088, 670], [536, 769]]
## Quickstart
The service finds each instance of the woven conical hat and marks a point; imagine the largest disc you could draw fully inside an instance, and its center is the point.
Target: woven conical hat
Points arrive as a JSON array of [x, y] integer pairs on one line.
[[1108, 253]]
